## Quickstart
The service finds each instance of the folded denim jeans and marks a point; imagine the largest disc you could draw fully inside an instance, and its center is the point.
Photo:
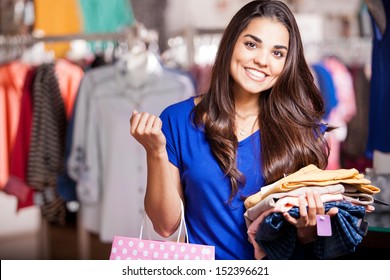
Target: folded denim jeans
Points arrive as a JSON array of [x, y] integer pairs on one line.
[[278, 237]]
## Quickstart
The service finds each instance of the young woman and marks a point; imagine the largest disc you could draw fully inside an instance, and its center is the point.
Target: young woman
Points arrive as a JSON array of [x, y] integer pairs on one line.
[[259, 120]]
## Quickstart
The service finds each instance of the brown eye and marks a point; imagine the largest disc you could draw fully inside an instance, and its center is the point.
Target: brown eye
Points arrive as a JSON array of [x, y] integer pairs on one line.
[[250, 45], [279, 53]]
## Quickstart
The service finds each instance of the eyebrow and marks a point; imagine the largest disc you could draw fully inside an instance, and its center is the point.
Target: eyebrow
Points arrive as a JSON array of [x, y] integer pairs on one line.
[[258, 40]]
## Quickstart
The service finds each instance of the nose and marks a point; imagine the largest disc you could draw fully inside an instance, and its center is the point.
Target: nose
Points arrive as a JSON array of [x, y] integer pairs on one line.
[[261, 58]]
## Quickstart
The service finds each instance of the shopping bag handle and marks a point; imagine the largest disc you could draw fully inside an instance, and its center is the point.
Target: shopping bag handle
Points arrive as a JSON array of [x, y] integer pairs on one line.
[[182, 224]]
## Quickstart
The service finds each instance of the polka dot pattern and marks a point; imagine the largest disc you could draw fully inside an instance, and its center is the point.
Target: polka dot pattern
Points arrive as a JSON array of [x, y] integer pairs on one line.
[[127, 248]]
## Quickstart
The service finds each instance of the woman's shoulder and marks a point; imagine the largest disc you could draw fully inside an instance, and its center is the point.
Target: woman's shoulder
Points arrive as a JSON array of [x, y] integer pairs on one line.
[[179, 108]]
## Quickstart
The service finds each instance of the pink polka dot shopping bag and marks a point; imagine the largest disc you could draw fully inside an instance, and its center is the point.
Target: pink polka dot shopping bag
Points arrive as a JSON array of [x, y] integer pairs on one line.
[[130, 248]]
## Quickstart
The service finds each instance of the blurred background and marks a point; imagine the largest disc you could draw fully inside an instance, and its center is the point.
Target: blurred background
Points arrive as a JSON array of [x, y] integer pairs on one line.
[[72, 71]]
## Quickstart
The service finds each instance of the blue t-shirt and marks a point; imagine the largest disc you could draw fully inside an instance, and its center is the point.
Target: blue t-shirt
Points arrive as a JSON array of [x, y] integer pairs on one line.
[[210, 218]]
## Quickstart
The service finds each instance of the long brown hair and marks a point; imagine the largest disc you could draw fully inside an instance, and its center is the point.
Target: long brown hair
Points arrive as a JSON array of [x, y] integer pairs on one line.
[[290, 112]]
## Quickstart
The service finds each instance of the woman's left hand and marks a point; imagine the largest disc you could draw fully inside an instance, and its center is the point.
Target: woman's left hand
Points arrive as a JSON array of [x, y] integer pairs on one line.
[[306, 224]]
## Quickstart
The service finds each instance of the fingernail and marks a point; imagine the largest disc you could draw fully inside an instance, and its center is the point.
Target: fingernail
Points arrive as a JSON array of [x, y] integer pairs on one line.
[[135, 112]]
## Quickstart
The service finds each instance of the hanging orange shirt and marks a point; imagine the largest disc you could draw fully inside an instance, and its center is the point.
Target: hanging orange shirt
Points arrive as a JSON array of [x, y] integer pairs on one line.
[[12, 78], [60, 17]]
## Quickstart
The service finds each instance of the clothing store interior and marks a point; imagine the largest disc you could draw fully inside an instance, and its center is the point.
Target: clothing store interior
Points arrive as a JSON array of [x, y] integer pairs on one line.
[[91, 186]]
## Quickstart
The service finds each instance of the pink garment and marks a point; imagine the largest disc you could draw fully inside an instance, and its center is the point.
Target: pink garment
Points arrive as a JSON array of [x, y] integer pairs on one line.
[[345, 109], [345, 91]]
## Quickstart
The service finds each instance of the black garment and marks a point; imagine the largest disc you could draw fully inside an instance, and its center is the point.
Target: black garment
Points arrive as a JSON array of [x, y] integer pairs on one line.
[[47, 145]]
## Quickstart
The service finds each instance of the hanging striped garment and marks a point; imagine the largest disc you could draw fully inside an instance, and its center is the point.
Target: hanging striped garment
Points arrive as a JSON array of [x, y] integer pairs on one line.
[[47, 145]]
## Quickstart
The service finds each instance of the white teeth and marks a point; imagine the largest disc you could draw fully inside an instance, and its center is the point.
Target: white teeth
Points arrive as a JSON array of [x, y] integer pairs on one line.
[[255, 73]]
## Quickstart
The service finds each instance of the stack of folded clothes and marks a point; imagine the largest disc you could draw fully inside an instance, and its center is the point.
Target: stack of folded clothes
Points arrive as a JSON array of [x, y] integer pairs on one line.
[[346, 189]]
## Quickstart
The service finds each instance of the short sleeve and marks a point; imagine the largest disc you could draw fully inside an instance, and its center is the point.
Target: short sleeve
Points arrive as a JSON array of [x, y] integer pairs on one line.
[[176, 126], [167, 129], [323, 128]]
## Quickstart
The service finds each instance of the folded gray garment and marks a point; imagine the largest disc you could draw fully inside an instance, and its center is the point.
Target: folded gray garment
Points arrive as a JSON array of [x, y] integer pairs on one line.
[[359, 198], [269, 202]]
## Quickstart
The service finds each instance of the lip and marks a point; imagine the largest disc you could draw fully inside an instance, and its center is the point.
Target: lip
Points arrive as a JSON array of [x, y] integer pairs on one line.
[[255, 74]]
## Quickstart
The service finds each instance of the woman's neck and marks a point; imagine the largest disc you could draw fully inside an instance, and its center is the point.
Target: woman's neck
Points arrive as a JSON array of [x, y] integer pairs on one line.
[[247, 107]]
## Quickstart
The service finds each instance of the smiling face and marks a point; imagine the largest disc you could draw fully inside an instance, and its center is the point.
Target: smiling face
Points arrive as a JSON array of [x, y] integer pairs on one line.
[[259, 56]]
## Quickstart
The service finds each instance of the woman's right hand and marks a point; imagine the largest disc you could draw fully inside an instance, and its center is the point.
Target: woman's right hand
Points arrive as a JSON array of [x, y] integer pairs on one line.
[[146, 129], [163, 188]]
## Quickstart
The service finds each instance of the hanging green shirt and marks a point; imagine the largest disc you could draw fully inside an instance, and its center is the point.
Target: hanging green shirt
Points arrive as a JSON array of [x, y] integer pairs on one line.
[[106, 16]]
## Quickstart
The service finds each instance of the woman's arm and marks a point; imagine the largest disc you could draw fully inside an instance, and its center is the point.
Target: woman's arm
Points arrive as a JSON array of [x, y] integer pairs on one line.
[[163, 190]]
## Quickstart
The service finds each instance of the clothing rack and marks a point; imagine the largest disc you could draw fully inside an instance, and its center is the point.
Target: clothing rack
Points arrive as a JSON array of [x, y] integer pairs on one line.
[[15, 45], [27, 40], [137, 30]]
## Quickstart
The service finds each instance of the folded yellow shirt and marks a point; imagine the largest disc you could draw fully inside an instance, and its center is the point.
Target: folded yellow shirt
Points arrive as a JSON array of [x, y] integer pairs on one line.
[[313, 176]]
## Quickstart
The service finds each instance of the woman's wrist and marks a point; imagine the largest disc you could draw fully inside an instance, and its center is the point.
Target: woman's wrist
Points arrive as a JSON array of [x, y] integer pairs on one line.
[[157, 154]]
